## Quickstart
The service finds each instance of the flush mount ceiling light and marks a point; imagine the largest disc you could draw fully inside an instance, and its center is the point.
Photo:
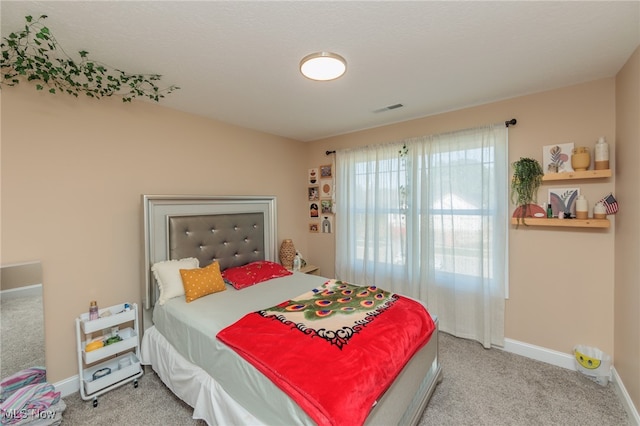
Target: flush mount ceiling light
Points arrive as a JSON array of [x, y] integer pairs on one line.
[[323, 66]]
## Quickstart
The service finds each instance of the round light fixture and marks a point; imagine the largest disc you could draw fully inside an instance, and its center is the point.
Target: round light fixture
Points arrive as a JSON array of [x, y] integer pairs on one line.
[[323, 66]]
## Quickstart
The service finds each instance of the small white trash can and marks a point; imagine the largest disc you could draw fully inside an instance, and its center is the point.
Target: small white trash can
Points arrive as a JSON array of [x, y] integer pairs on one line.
[[593, 363]]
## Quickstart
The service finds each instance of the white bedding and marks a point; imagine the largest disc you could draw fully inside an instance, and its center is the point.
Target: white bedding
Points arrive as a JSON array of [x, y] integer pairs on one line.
[[191, 329], [192, 384]]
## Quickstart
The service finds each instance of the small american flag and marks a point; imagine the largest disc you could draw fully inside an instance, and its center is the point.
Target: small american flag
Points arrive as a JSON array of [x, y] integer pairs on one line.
[[610, 203]]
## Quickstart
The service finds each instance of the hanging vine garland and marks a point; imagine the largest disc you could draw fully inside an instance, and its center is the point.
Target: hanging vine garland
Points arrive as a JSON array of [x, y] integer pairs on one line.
[[35, 55]]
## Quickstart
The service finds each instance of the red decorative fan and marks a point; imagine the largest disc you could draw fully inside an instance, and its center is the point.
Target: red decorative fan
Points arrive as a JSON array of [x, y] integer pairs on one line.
[[530, 210]]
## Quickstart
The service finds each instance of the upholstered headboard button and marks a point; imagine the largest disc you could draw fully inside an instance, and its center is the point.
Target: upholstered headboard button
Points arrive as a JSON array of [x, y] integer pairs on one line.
[[215, 237]]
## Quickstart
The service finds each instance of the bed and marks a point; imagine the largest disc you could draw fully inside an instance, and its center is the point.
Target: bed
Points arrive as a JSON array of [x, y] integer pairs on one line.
[[179, 340]]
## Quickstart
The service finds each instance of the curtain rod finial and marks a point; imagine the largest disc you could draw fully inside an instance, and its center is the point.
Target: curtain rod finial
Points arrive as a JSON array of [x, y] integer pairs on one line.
[[511, 122], [330, 152]]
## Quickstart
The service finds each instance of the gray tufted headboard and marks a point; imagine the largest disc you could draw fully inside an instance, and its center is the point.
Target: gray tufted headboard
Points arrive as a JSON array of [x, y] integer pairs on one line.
[[231, 239], [233, 230]]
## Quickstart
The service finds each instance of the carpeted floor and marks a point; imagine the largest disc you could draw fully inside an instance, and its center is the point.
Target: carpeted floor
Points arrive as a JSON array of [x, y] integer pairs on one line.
[[493, 387], [480, 387]]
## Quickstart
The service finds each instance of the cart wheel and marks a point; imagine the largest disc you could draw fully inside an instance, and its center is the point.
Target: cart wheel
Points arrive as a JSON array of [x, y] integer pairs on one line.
[[95, 402], [135, 383]]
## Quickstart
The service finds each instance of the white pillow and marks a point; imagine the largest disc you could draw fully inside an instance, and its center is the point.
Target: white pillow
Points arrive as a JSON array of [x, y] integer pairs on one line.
[[168, 277]]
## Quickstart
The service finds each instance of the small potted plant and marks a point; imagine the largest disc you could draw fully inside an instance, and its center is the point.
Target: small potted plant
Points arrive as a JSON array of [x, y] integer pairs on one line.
[[527, 177]]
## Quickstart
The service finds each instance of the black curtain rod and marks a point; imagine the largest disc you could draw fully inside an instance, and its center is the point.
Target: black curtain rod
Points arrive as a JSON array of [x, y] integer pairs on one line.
[[507, 123]]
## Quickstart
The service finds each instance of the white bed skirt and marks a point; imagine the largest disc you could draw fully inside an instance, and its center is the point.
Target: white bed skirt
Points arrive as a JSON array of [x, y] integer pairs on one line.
[[192, 384]]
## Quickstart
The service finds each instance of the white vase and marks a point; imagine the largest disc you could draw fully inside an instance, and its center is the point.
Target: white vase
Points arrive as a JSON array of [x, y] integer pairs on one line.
[[602, 154], [582, 208], [599, 211]]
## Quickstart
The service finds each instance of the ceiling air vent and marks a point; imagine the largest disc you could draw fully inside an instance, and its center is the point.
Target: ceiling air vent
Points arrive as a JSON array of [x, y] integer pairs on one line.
[[389, 108]]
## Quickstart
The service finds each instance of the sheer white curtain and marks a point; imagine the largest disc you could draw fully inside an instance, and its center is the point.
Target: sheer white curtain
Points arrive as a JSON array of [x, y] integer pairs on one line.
[[427, 217]]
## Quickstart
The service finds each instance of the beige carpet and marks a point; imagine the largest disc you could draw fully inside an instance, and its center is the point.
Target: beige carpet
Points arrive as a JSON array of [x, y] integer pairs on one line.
[[480, 387], [493, 387], [21, 331]]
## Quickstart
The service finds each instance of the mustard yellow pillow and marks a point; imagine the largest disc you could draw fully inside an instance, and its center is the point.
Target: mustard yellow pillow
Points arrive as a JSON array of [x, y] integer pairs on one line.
[[202, 281]]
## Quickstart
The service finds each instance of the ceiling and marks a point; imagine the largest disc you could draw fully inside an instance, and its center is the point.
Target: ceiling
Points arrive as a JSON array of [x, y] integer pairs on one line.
[[237, 61]]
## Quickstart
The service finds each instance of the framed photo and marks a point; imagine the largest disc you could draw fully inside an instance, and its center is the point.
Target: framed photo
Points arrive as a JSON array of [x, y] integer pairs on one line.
[[313, 209], [313, 177], [326, 206], [326, 188], [563, 200], [557, 158], [314, 227], [326, 224], [325, 171], [314, 193]]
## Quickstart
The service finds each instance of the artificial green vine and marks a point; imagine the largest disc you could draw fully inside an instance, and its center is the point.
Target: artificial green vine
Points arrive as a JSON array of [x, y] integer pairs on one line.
[[527, 177], [34, 54], [402, 196]]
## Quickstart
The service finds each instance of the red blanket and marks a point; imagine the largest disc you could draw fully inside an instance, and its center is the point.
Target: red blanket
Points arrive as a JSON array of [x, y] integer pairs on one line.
[[335, 349]]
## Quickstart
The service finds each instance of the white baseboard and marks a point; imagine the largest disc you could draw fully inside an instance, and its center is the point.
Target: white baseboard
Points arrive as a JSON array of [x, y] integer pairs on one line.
[[625, 398], [564, 360], [68, 386], [559, 359]]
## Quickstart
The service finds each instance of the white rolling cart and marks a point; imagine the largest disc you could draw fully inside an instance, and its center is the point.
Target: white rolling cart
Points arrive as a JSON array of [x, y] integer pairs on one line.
[[101, 370]]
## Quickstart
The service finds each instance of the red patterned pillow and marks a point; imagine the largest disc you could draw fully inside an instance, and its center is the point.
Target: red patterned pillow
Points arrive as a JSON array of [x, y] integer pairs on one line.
[[253, 273]]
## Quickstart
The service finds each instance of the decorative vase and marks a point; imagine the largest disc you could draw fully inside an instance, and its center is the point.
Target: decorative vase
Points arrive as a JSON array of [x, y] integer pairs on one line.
[[580, 158], [602, 154], [582, 208], [599, 211], [287, 253]]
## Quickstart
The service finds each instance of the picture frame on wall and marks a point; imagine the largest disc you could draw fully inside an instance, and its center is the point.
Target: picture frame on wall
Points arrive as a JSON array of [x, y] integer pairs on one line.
[[563, 200], [313, 193], [314, 211], [326, 206], [314, 227], [325, 171], [557, 158], [313, 176], [326, 225], [326, 188]]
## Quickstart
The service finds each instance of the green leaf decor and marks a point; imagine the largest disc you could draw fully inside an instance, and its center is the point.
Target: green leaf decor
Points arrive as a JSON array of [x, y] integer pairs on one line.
[[527, 177], [34, 54]]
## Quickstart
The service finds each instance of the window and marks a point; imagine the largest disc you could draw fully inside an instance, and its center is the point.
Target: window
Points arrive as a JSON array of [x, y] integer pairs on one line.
[[426, 217]]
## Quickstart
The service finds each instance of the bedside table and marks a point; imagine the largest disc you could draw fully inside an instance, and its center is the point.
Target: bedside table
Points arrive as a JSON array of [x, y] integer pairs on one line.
[[310, 269]]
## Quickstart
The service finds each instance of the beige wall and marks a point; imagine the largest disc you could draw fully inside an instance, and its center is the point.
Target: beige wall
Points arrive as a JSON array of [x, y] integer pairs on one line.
[[561, 280], [627, 233], [73, 171]]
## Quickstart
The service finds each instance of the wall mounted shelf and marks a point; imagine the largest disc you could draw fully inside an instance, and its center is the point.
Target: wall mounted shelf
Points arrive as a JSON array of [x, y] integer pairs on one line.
[[586, 174], [566, 223]]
